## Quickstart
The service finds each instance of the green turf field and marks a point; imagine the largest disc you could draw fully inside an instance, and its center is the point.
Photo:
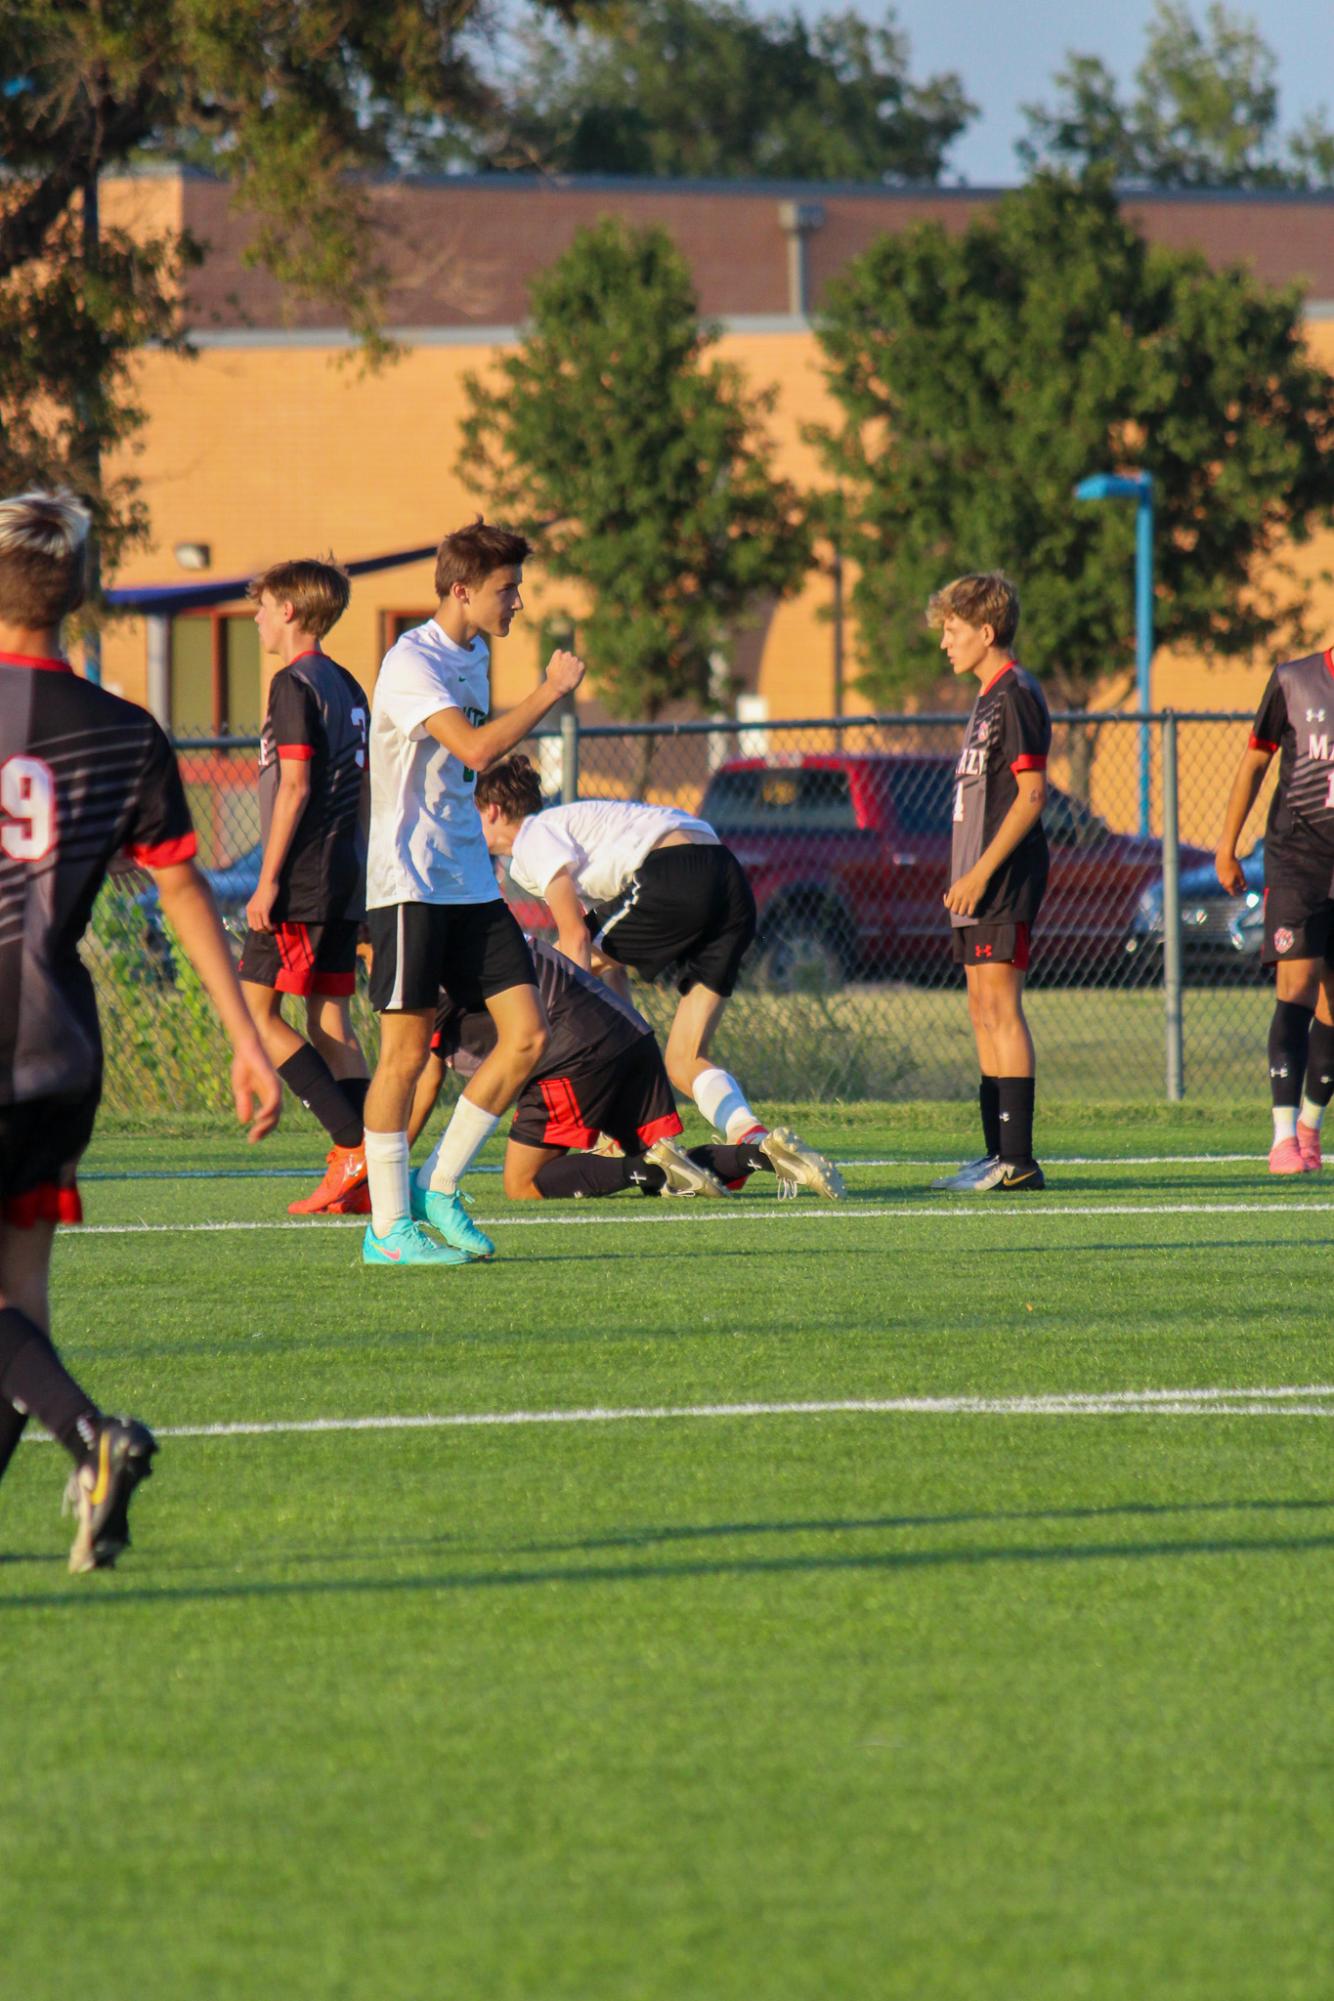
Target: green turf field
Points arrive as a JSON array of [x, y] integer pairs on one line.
[[1017, 1699]]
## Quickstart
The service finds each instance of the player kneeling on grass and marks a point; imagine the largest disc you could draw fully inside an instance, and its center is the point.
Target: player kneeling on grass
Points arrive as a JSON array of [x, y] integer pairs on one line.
[[307, 907], [1299, 896], [602, 1072], [84, 778], [998, 867], [661, 890]]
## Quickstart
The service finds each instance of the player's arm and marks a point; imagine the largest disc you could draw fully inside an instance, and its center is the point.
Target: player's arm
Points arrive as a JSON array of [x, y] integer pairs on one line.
[[288, 806], [1251, 769], [963, 896], [187, 904], [480, 744], [562, 900]]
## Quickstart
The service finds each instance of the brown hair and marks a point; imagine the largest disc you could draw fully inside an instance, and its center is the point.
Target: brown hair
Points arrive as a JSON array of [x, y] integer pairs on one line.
[[513, 785], [470, 554], [986, 597], [317, 592], [43, 558]]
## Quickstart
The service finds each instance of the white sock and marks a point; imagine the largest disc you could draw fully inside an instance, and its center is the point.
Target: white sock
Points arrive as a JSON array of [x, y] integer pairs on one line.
[[722, 1101], [1285, 1122], [1312, 1115], [387, 1174], [457, 1148]]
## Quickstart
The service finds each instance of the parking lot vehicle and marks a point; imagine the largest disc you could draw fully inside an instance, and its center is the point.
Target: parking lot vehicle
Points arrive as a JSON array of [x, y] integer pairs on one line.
[[1221, 934], [848, 854]]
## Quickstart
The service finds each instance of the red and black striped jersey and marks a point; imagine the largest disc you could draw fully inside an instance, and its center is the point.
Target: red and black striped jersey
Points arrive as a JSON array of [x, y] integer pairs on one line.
[[1296, 718], [84, 778], [590, 1025], [319, 714], [1009, 731]]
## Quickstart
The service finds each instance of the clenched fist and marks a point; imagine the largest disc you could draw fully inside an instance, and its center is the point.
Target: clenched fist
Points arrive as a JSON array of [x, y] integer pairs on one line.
[[565, 671]]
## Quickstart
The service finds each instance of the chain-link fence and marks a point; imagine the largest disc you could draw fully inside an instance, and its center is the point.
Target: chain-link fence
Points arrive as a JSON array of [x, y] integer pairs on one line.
[[1145, 983]]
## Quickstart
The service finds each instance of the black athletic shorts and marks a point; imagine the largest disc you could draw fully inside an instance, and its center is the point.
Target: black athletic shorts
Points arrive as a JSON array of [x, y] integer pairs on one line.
[[40, 1146], [303, 958], [472, 950], [1299, 909], [629, 1099], [689, 907], [992, 945]]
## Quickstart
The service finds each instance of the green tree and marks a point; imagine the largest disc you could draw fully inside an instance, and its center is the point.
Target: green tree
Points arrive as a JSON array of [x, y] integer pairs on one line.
[[980, 376], [1205, 113], [639, 466], [288, 102], [707, 88]]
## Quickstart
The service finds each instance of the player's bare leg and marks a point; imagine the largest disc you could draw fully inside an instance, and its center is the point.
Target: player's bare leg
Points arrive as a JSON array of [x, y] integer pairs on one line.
[[305, 1067], [1005, 1052], [393, 1236]]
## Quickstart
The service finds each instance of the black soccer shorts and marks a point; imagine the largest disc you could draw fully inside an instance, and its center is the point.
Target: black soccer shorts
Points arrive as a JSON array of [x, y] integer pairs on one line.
[[993, 945], [1299, 911], [472, 950], [303, 958], [629, 1099], [41, 1143], [690, 907]]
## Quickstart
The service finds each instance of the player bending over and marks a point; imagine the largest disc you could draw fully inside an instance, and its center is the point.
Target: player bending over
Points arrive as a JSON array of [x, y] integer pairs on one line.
[[435, 916], [602, 1072], [659, 889], [304, 915], [84, 777], [1295, 718], [998, 868]]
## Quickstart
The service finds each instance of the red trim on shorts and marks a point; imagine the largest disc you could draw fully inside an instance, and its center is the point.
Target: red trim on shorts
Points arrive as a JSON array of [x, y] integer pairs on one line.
[[565, 1121], [48, 662], [334, 983], [48, 1202], [987, 686], [667, 1127], [1258, 743], [296, 753], [164, 854], [1030, 761], [296, 959], [1022, 946]]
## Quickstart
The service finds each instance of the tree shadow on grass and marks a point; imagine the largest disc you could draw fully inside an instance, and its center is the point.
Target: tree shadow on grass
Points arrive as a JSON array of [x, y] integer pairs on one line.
[[588, 1575]]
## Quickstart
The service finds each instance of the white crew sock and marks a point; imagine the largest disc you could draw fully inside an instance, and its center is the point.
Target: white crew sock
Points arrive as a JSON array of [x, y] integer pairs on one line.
[[1285, 1122], [1312, 1115], [457, 1148], [722, 1101], [387, 1175]]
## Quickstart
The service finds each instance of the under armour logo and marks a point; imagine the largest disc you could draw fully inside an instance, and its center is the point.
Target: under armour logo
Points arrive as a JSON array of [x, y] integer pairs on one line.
[[1005, 1118], [1315, 715], [982, 951], [1282, 1072], [641, 1179]]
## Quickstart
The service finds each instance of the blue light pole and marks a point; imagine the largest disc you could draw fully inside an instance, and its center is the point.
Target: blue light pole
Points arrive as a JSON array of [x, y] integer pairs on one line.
[[1136, 486]]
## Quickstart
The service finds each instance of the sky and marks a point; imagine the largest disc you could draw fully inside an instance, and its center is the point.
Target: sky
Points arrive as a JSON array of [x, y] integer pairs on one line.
[[1007, 51]]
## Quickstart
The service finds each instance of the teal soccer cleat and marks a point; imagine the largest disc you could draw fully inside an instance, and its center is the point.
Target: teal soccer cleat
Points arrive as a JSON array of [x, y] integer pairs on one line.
[[447, 1214], [407, 1244]]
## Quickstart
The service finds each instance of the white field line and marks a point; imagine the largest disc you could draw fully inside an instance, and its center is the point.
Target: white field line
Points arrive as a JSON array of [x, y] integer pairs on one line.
[[1287, 1400], [746, 1212], [944, 1160]]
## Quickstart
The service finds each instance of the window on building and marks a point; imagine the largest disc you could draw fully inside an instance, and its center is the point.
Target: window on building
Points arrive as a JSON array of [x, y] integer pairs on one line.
[[393, 624], [216, 683]]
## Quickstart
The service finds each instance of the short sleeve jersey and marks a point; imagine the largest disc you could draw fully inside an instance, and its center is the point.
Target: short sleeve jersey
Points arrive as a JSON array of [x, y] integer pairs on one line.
[[1009, 732], [426, 842], [590, 1025], [1296, 718], [600, 841], [84, 778], [318, 715]]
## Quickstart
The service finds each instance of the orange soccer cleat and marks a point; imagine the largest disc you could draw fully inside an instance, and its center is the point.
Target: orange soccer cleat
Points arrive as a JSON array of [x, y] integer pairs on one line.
[[344, 1175]]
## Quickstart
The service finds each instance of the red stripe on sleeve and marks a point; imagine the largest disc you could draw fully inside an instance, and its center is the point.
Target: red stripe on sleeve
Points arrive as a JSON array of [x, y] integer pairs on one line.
[[162, 854], [296, 753], [1030, 761], [1258, 743]]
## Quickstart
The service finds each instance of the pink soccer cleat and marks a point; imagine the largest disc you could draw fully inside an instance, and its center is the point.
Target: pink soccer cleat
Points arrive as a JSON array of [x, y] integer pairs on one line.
[[1285, 1157], [1308, 1142]]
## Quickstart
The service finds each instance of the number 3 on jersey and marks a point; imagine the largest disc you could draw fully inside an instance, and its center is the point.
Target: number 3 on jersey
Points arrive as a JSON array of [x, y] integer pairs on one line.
[[27, 809]]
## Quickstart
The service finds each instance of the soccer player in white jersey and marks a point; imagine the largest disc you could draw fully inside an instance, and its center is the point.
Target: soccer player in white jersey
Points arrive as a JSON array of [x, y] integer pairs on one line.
[[650, 887], [435, 914]]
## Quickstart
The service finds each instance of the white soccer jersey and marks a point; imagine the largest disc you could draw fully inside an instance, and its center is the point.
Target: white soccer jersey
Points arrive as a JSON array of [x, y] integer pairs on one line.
[[426, 842], [600, 841]]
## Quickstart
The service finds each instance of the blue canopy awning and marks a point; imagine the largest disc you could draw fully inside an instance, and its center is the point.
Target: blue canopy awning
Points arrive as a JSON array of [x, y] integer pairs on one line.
[[163, 599]]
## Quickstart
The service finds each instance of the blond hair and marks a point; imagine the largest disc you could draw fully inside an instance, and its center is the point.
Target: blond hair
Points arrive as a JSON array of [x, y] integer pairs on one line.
[[43, 557], [985, 597], [318, 592]]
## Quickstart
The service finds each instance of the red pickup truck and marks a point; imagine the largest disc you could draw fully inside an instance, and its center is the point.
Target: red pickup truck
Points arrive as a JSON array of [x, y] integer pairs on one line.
[[848, 855]]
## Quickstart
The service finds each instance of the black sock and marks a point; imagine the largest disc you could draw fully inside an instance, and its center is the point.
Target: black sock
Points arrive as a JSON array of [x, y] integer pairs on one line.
[[988, 1098], [732, 1163], [308, 1077], [1289, 1035], [591, 1174], [1014, 1117], [12, 1423], [33, 1378], [1319, 1085], [354, 1089]]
